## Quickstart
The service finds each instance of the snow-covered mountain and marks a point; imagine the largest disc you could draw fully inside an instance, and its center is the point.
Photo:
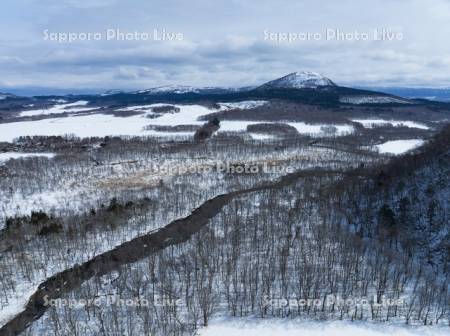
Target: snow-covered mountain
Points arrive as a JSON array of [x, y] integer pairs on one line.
[[304, 79], [180, 89], [170, 89], [299, 80], [6, 95]]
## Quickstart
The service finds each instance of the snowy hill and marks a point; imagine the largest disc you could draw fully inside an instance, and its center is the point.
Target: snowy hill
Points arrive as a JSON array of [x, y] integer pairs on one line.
[[183, 89], [297, 80], [5, 95], [300, 80], [169, 88]]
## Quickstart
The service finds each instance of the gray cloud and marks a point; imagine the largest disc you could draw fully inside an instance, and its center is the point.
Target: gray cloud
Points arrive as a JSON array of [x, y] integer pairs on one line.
[[223, 42]]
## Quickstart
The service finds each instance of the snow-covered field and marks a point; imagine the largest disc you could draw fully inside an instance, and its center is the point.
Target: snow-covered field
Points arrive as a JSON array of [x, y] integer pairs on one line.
[[15, 155], [370, 123], [302, 128], [399, 146], [100, 125], [94, 125], [286, 327], [60, 108], [256, 136], [319, 129]]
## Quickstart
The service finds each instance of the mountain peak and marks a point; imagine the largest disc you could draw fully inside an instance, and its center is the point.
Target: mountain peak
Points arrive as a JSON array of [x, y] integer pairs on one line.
[[300, 80]]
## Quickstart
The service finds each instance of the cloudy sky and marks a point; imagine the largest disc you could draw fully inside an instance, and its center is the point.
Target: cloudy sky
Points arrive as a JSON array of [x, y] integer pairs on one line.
[[223, 42]]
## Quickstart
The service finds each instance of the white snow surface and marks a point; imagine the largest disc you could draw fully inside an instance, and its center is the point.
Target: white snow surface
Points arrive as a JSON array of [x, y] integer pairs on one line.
[[257, 136], [317, 129], [299, 80], [302, 128], [286, 327], [16, 155], [370, 123], [94, 125], [60, 108], [357, 100], [399, 146], [17, 303], [100, 125]]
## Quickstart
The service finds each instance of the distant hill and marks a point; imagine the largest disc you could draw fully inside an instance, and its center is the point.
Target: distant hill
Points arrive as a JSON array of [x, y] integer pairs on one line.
[[434, 94]]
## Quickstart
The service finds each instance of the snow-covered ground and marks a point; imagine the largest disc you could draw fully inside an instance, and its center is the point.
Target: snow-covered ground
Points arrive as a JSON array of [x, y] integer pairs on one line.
[[17, 302], [372, 100], [94, 125], [318, 129], [15, 155], [60, 108], [301, 127], [370, 123], [94, 243], [257, 136], [399, 146], [100, 125], [286, 327]]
